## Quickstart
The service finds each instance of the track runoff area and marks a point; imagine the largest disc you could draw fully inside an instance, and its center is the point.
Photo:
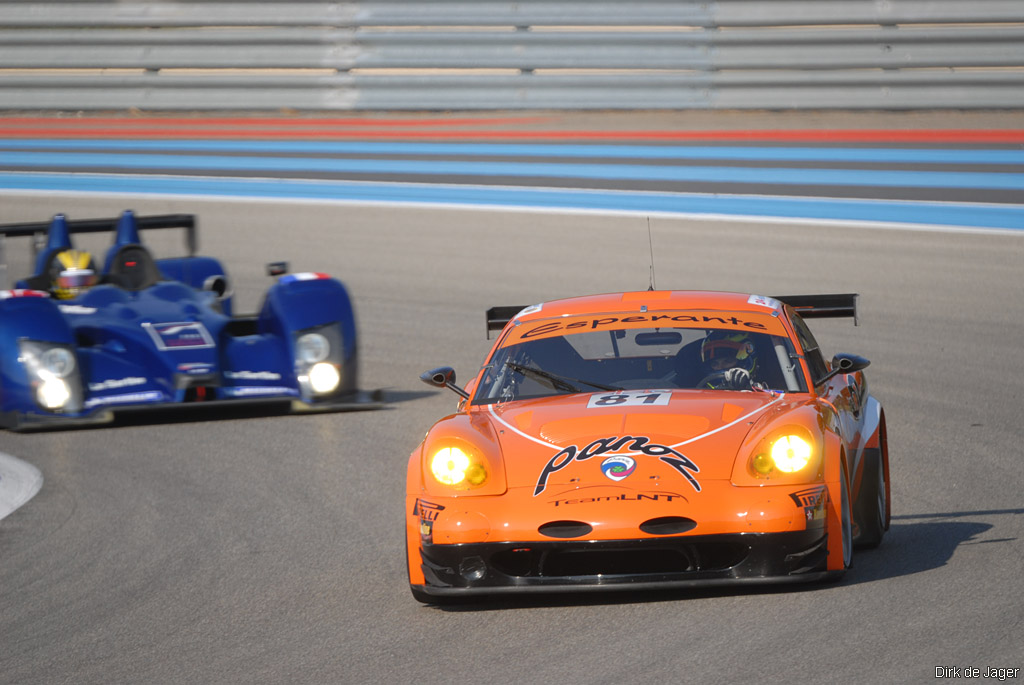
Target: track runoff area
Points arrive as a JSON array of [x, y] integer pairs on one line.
[[933, 178]]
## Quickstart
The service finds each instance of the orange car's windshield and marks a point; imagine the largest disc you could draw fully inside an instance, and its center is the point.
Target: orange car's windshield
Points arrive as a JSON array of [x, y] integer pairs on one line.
[[638, 359]]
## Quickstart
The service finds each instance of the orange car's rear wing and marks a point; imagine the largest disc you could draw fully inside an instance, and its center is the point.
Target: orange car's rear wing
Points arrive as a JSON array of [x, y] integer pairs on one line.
[[498, 317], [823, 306]]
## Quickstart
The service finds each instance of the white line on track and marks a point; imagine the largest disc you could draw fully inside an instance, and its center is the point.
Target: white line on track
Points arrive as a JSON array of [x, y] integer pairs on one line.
[[19, 482]]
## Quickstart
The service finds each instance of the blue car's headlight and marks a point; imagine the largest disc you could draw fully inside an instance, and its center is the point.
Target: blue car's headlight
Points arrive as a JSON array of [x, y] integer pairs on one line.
[[318, 360], [311, 348], [53, 374]]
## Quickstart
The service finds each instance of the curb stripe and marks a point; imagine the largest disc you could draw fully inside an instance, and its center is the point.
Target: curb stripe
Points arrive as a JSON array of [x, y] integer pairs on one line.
[[634, 172], [311, 128], [795, 208], [782, 154]]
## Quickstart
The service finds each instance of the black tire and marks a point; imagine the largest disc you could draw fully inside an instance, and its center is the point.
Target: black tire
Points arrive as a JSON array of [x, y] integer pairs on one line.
[[846, 521], [870, 510]]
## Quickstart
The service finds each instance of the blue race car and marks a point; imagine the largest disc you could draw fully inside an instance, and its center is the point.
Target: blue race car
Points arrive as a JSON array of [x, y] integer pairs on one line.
[[78, 343]]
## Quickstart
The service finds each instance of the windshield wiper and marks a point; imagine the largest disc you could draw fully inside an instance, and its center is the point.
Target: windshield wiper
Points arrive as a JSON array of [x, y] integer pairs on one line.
[[558, 382]]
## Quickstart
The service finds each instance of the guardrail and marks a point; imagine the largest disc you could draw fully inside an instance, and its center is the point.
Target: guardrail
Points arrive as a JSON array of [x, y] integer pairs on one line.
[[536, 54]]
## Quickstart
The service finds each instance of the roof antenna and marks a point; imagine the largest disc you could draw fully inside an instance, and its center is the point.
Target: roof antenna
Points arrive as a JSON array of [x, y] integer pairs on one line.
[[650, 242]]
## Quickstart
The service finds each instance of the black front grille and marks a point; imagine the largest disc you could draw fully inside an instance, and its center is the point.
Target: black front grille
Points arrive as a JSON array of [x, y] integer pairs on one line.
[[588, 560], [572, 564], [612, 562]]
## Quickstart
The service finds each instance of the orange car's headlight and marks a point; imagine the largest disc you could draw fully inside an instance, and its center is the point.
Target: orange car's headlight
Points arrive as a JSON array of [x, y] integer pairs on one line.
[[789, 455], [456, 467], [453, 466], [461, 456]]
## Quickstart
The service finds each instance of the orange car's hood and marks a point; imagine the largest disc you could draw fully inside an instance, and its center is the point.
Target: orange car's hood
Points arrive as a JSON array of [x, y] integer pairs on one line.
[[689, 436]]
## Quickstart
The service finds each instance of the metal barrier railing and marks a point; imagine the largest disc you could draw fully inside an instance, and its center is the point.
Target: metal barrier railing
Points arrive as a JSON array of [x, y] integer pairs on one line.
[[484, 54]]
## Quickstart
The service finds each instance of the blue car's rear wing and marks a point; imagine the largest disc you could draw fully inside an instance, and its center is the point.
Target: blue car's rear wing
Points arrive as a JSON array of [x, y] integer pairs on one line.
[[40, 232], [807, 306]]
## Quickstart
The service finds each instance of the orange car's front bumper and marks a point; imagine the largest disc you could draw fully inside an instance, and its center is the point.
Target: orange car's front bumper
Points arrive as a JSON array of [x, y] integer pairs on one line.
[[610, 539]]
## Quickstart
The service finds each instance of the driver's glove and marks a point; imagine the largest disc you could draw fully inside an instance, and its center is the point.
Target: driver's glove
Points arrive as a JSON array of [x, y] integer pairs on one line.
[[736, 379]]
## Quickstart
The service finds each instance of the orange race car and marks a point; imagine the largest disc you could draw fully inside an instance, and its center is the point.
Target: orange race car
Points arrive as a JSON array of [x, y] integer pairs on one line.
[[649, 439]]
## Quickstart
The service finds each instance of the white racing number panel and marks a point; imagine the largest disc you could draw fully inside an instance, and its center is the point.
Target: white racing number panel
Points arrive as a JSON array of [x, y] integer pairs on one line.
[[630, 398]]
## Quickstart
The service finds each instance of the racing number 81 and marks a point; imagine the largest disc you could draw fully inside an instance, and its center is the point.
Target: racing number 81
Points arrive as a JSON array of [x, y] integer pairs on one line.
[[629, 399]]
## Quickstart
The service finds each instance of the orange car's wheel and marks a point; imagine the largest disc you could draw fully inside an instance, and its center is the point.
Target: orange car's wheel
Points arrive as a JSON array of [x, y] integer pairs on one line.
[[840, 530], [872, 504], [846, 522]]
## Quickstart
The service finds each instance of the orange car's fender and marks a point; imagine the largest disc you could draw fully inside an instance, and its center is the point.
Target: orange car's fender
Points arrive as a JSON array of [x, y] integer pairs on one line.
[[836, 469], [412, 532], [472, 433], [412, 550]]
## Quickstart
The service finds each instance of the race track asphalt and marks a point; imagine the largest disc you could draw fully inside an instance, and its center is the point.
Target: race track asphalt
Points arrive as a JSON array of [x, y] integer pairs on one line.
[[264, 549]]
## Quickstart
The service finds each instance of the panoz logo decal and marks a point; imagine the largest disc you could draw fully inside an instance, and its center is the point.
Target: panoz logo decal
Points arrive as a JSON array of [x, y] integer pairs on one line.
[[179, 336], [627, 443], [618, 467]]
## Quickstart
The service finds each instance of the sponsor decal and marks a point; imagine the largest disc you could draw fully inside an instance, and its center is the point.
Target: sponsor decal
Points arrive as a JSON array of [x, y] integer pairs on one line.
[[196, 368], [179, 335], [532, 309], [253, 375], [306, 276], [652, 319], [646, 398], [637, 497], [812, 501], [763, 301], [629, 443], [130, 398], [112, 383], [76, 309], [256, 390], [428, 513], [618, 467], [20, 292]]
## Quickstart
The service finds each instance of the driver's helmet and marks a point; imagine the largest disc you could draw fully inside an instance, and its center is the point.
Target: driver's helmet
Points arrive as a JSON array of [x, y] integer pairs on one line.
[[723, 350], [72, 272]]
